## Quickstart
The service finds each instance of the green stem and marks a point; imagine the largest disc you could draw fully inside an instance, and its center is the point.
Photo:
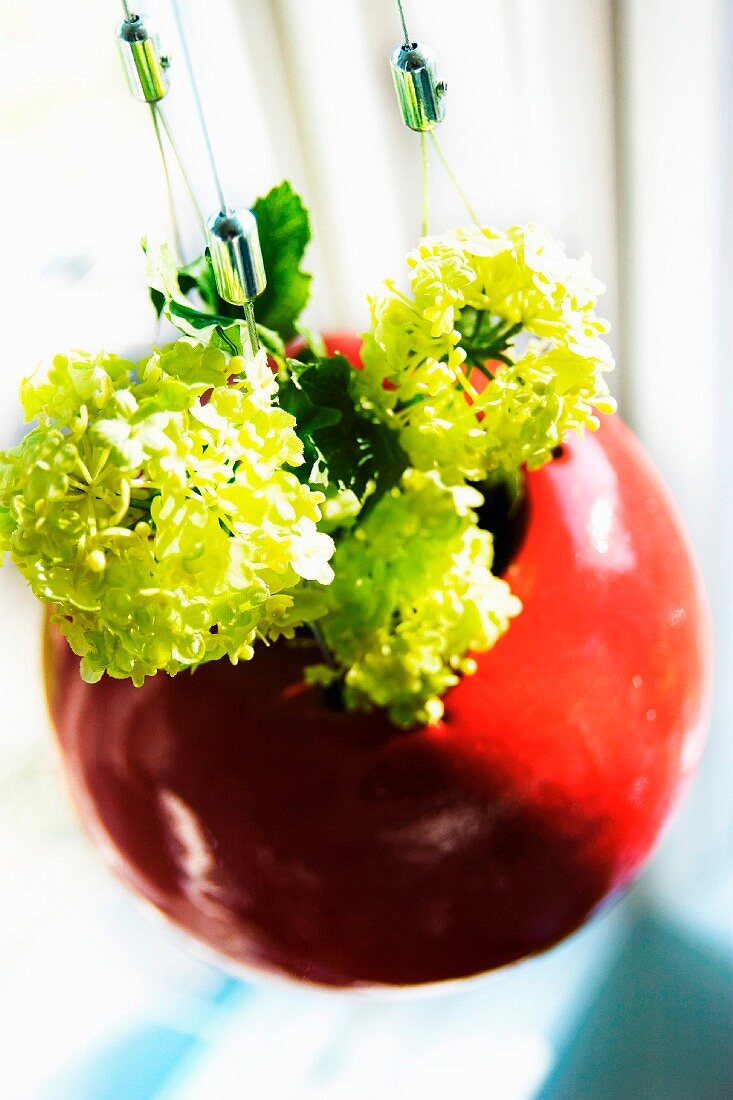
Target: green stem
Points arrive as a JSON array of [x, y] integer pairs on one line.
[[321, 642]]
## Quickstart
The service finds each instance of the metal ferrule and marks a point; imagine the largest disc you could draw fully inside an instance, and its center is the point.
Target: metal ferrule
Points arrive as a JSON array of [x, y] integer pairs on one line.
[[419, 92], [144, 64], [236, 256]]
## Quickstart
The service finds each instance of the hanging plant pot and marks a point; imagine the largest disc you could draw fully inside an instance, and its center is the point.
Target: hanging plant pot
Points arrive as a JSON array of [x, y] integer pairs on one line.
[[342, 689], [337, 714], [296, 838]]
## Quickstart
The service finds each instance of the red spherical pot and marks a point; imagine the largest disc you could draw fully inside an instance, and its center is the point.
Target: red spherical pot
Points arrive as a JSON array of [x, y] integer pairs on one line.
[[332, 848]]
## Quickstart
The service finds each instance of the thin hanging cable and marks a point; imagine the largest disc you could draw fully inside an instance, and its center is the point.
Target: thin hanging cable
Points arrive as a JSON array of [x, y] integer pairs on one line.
[[166, 175], [401, 13], [199, 105], [249, 311], [159, 120], [160, 124], [181, 167], [454, 180], [425, 185], [423, 150], [254, 340]]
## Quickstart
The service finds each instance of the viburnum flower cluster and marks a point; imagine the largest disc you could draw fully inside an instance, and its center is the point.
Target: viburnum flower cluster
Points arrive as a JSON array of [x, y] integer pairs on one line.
[[413, 593], [492, 357], [164, 531], [173, 511]]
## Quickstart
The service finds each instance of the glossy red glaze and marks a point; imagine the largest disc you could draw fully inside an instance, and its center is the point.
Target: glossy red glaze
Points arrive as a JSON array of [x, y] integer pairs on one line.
[[332, 848], [347, 343]]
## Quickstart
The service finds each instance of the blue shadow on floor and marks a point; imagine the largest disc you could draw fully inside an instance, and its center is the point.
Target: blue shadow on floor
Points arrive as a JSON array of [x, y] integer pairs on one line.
[[140, 1063], [661, 1027]]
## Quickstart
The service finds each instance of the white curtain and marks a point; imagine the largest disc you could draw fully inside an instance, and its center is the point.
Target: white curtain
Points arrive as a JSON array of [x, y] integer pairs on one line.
[[302, 88]]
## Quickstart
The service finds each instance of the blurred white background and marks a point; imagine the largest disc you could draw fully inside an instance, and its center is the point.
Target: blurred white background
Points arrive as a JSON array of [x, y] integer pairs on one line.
[[608, 122]]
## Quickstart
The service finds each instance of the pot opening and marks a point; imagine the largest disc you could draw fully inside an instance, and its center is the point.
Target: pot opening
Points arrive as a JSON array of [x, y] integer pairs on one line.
[[506, 515]]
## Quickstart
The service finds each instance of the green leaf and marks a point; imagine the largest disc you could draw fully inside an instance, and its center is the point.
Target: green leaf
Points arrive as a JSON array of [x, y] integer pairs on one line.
[[284, 228], [157, 297], [228, 338], [199, 275], [197, 317], [342, 446]]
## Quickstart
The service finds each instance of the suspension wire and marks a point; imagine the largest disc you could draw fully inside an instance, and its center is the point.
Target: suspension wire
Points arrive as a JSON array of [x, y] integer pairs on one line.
[[199, 105], [161, 126], [249, 314], [167, 177], [181, 166], [408, 45], [454, 180], [401, 13], [425, 173], [249, 311]]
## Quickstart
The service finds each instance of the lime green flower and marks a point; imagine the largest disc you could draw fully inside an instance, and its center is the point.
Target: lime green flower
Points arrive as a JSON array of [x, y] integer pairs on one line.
[[413, 594], [491, 358], [164, 530]]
